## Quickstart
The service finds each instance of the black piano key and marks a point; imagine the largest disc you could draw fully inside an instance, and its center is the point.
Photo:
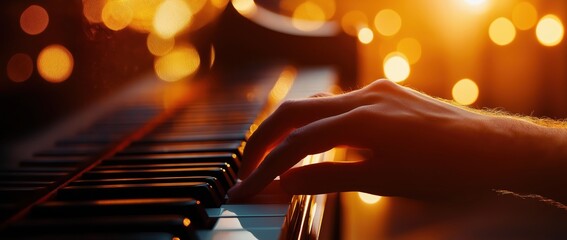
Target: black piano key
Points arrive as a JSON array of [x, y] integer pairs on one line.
[[220, 173], [74, 150], [192, 147], [174, 224], [97, 236], [181, 137], [214, 182], [55, 162], [25, 183], [17, 194], [198, 190], [128, 167], [31, 176], [229, 158], [200, 128]]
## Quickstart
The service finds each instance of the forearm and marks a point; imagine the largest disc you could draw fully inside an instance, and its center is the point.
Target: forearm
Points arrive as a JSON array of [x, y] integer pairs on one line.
[[536, 155]]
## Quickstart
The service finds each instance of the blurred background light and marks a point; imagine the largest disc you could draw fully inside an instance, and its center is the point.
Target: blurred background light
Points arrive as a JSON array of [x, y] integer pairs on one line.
[[549, 30], [475, 2], [172, 16], [34, 20], [365, 35], [92, 10], [244, 7], [411, 48], [396, 67], [20, 67], [159, 46], [353, 21], [369, 198], [388, 22], [308, 16], [179, 63], [502, 31], [55, 63], [524, 15], [116, 15], [465, 92]]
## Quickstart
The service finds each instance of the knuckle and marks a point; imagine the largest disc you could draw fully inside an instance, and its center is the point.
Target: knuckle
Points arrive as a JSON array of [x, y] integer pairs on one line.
[[286, 107], [383, 85]]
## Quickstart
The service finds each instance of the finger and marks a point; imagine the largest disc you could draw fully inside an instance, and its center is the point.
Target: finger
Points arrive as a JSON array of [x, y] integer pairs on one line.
[[324, 177], [300, 143], [321, 94], [290, 115]]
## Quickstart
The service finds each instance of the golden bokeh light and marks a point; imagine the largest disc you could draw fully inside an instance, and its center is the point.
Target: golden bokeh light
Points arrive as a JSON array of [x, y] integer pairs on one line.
[[365, 35], [143, 14], [328, 7], [179, 63], [55, 63], [475, 2], [92, 9], [20, 67], [220, 4], [368, 198], [524, 15], [244, 7], [396, 67], [116, 15], [502, 31], [159, 46], [411, 48], [353, 21], [308, 16], [549, 30], [465, 92], [213, 56], [34, 20], [388, 22], [186, 222], [172, 17]]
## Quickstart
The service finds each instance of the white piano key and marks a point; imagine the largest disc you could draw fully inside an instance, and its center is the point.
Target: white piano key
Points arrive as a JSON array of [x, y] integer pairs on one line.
[[244, 228], [260, 234], [248, 210]]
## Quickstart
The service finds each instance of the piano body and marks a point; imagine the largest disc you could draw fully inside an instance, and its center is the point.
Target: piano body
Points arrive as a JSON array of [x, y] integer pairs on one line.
[[155, 159]]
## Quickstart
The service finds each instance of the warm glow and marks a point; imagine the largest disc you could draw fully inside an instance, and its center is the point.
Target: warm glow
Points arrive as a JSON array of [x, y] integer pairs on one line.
[[20, 67], [308, 16], [475, 2], [116, 15], [368, 198], [502, 31], [55, 63], [396, 67], [411, 48], [172, 16], [92, 9], [177, 64], [549, 30], [244, 7], [352, 21], [365, 35], [212, 56], [186, 222], [282, 85], [465, 92], [159, 46], [524, 15], [219, 3], [388, 22], [34, 20], [144, 13]]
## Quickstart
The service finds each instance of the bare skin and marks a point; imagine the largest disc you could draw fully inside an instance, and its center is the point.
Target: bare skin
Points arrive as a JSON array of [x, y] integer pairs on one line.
[[419, 147]]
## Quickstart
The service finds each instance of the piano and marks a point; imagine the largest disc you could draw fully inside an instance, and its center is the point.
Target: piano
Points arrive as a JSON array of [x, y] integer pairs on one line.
[[155, 160]]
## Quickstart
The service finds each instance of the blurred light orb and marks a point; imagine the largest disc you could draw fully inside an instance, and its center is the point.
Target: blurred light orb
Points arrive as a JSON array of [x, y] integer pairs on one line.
[[411, 48], [179, 63], [352, 21], [365, 35], [368, 198], [475, 2], [524, 15], [465, 92], [502, 31], [396, 67], [55, 63], [159, 46], [308, 16], [92, 10], [244, 7], [388, 22], [172, 16], [20, 67], [549, 30], [34, 20], [116, 15]]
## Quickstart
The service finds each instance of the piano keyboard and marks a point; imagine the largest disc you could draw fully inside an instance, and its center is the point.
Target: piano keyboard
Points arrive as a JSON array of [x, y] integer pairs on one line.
[[152, 171]]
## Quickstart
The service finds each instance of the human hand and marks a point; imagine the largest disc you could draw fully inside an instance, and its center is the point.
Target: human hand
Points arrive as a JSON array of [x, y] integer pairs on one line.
[[419, 146]]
